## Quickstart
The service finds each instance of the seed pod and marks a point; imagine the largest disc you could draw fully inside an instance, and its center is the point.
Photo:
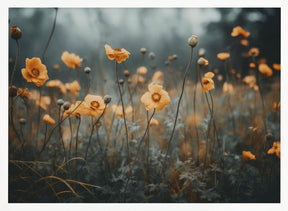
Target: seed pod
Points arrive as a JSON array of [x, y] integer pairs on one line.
[[60, 102], [193, 40], [87, 70], [15, 32], [107, 99]]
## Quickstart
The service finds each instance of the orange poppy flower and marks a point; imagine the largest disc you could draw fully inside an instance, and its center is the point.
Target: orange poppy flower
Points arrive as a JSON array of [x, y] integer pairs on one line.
[[76, 109], [23, 93], [239, 31], [244, 42], [58, 84], [250, 80], [252, 65], [158, 77], [142, 70], [117, 109], [247, 155], [119, 54], [44, 102], [153, 122], [156, 97], [265, 70], [48, 119], [73, 87], [95, 103], [277, 67], [207, 81], [35, 71], [71, 59], [253, 52], [223, 56], [275, 149], [228, 88]]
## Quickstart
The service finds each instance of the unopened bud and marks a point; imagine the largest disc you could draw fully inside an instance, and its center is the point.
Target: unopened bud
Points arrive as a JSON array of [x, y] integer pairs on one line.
[[193, 40], [66, 106], [152, 55], [15, 32], [121, 81], [107, 99], [60, 102], [201, 52], [143, 50], [127, 73], [87, 70], [22, 121]]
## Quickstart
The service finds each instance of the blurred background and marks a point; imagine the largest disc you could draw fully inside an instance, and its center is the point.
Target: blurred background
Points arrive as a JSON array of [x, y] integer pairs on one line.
[[85, 31]]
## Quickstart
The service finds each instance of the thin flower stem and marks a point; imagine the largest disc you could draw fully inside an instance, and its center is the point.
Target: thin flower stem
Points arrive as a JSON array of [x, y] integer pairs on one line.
[[148, 147], [60, 133], [77, 136], [39, 113], [71, 138], [50, 36], [177, 111], [123, 110], [16, 61], [194, 112], [12, 118]]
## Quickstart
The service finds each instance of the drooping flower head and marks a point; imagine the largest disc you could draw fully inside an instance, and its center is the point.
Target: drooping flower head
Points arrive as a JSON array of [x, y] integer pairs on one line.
[[156, 97], [275, 149], [119, 54], [207, 81], [71, 59], [247, 155], [35, 71], [239, 31]]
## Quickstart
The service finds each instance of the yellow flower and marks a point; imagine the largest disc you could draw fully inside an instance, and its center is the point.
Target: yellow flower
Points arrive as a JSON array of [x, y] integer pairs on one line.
[[57, 83], [207, 81], [35, 71], [275, 149], [142, 70], [156, 97], [23, 93], [239, 31], [253, 52], [73, 87], [250, 80], [223, 56], [117, 109], [277, 67], [265, 70], [95, 103], [247, 155], [228, 88], [252, 65], [71, 59], [244, 42], [48, 119], [119, 54]]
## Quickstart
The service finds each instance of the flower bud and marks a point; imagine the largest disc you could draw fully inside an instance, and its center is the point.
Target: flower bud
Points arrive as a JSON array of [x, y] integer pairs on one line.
[[15, 32], [60, 102], [201, 52], [107, 99], [193, 40], [66, 106], [87, 70], [203, 62], [121, 81], [127, 73], [143, 50], [152, 55], [22, 121], [175, 56]]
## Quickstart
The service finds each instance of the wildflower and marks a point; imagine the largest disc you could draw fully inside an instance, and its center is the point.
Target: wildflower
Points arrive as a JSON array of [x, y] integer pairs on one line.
[[250, 80], [87, 70], [238, 75], [22, 121], [143, 50], [223, 56], [58, 84], [275, 149], [142, 70], [95, 103], [117, 109], [171, 58], [158, 77], [247, 155], [208, 83], [239, 31], [127, 73], [201, 52], [252, 65], [153, 122], [244, 42], [193, 40], [228, 88], [119, 54], [66, 106], [253, 52], [60, 102], [48, 119], [44, 102], [56, 67], [137, 79], [156, 97], [203, 62], [265, 70], [23, 92], [35, 71], [107, 99], [15, 32], [277, 67], [71, 59], [76, 109], [216, 71], [73, 87]]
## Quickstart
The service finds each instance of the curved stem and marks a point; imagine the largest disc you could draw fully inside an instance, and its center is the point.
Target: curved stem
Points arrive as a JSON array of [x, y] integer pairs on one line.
[[177, 111], [50, 36], [123, 110], [77, 139], [16, 61], [148, 147], [71, 137], [194, 112]]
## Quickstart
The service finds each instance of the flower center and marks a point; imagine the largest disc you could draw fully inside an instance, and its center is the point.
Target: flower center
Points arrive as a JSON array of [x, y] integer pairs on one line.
[[94, 105], [35, 72], [205, 82], [156, 97], [117, 49]]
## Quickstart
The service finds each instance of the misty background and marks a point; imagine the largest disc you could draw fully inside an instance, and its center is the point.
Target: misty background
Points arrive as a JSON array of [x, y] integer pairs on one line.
[[165, 32]]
